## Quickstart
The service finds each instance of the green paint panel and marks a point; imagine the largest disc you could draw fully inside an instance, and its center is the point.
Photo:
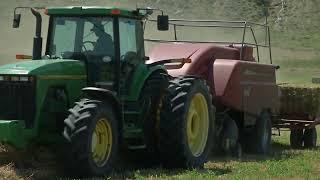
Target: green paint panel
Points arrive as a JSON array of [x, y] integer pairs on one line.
[[140, 75], [44, 119], [45, 67], [67, 74], [13, 133]]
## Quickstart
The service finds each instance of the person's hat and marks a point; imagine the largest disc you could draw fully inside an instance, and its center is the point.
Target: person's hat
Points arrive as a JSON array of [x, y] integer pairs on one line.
[[97, 26]]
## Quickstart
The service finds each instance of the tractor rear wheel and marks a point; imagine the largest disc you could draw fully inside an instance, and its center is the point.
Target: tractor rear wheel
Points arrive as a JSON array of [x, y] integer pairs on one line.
[[92, 130], [151, 95], [296, 138], [187, 122], [310, 138], [153, 90]]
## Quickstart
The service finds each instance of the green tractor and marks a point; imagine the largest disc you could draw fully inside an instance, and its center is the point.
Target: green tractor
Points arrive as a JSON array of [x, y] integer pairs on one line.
[[94, 93]]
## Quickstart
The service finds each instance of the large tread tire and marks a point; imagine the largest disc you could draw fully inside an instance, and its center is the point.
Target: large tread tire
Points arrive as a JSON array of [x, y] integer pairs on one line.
[[310, 138], [79, 130], [175, 151], [258, 141], [263, 133], [229, 138], [296, 138], [154, 89]]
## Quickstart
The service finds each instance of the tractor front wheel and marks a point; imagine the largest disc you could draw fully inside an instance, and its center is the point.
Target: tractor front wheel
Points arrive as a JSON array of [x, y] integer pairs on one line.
[[92, 130], [186, 124]]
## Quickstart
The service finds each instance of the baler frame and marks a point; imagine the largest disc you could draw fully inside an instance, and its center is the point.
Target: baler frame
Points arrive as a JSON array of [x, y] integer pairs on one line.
[[280, 122], [293, 122], [221, 24]]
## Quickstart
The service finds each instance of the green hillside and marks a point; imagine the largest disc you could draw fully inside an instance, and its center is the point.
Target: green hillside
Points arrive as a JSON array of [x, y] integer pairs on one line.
[[294, 23]]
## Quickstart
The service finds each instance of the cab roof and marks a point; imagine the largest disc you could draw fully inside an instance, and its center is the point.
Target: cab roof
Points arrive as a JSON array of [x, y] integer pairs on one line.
[[92, 10]]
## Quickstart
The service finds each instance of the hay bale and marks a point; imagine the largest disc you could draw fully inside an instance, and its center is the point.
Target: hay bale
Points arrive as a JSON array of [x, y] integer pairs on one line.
[[300, 100]]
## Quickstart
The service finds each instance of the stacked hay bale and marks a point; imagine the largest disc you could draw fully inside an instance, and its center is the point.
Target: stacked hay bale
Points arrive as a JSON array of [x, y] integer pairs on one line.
[[299, 101]]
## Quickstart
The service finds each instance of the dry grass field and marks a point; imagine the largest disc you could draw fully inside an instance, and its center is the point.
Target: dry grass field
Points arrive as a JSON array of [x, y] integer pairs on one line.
[[282, 163]]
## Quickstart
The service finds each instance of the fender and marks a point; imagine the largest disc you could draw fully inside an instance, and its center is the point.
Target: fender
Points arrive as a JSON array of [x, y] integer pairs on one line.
[[140, 75], [100, 93], [105, 95]]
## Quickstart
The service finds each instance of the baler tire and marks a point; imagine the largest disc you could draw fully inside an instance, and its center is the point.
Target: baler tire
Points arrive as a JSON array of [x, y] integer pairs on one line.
[[262, 134], [310, 138], [296, 138], [177, 150], [229, 138], [92, 132]]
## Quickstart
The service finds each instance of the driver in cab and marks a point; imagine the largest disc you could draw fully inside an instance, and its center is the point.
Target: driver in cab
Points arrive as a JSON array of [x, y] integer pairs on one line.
[[104, 44], [103, 51]]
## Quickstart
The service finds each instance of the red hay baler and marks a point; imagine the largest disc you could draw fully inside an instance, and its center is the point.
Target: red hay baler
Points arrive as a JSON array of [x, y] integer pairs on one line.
[[244, 91]]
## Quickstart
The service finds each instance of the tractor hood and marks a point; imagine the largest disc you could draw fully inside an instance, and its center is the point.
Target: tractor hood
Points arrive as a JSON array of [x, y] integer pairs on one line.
[[45, 67]]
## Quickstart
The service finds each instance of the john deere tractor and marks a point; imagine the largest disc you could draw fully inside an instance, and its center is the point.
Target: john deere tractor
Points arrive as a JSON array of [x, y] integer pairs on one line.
[[94, 93]]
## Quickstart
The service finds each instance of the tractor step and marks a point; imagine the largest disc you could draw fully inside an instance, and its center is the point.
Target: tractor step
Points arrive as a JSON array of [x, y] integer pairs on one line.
[[137, 147], [132, 112]]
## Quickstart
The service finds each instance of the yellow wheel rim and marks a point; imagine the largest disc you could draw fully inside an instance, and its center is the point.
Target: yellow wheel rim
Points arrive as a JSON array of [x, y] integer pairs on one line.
[[197, 124], [101, 143]]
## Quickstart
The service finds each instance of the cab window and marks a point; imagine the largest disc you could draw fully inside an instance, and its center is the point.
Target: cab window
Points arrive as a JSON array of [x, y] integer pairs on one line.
[[131, 42], [63, 38]]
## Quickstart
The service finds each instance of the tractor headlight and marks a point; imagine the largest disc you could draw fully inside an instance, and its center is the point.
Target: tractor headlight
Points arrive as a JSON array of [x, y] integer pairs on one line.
[[16, 78], [24, 79], [4, 78]]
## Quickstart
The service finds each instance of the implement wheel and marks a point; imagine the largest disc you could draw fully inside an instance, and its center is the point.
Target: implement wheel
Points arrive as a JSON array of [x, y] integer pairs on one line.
[[258, 140], [310, 138], [186, 125], [92, 130], [229, 138], [296, 138], [263, 134]]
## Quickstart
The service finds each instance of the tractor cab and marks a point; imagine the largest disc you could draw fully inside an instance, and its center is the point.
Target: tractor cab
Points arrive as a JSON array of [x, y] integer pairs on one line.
[[109, 41], [110, 45]]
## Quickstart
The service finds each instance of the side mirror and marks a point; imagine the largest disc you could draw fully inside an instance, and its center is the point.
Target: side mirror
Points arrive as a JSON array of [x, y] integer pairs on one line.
[[16, 20], [163, 22]]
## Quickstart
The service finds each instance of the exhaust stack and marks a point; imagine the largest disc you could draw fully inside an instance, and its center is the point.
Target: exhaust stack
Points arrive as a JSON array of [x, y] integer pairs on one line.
[[37, 40]]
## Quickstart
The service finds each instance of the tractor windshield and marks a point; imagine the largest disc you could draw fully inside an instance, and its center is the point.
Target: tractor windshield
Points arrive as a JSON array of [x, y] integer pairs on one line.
[[91, 39], [76, 37], [88, 39]]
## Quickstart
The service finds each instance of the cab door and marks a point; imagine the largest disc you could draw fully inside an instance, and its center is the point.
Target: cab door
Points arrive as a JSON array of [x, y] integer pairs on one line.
[[131, 49], [99, 51]]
